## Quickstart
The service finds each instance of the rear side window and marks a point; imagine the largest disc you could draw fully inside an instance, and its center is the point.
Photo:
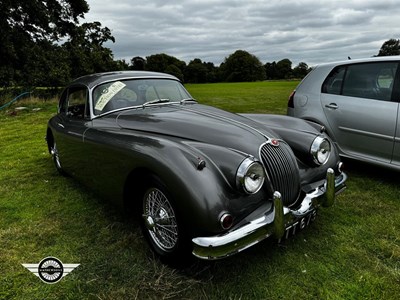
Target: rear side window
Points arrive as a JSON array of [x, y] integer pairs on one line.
[[77, 100], [334, 82], [367, 80]]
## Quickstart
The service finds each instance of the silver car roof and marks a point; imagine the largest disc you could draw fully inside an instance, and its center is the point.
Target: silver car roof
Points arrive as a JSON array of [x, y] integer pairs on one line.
[[360, 60]]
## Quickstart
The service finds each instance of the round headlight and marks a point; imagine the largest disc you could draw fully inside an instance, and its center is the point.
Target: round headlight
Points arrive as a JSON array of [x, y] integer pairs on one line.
[[320, 150], [250, 176]]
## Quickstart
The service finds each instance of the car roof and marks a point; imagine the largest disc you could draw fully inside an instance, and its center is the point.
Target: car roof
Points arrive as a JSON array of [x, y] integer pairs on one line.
[[98, 78], [361, 60]]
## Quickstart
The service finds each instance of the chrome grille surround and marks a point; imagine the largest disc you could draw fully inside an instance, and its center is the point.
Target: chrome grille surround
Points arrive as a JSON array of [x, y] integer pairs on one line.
[[281, 166]]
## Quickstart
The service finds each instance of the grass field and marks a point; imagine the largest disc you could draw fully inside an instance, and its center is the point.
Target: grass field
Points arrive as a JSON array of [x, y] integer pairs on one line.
[[351, 251]]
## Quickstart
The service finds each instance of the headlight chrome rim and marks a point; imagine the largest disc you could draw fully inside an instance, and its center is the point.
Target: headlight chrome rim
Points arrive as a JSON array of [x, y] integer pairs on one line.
[[250, 176], [321, 149]]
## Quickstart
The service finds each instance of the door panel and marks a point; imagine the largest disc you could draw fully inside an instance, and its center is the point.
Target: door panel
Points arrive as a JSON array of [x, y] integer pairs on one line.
[[357, 101], [72, 122], [361, 126]]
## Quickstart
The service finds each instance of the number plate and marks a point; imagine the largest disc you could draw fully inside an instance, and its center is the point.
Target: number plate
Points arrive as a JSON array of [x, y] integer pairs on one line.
[[300, 224]]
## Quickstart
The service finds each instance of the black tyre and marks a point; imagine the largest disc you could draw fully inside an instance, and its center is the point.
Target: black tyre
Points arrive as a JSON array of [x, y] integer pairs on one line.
[[162, 227]]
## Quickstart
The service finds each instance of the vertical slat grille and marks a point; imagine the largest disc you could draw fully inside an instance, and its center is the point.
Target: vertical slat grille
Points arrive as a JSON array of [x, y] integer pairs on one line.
[[281, 166]]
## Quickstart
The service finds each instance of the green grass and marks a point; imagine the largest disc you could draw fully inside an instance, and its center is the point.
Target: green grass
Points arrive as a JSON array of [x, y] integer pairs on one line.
[[351, 251], [251, 97]]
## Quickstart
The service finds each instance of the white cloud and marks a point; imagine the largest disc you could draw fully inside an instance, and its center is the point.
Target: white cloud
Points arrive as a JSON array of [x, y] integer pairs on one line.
[[303, 30]]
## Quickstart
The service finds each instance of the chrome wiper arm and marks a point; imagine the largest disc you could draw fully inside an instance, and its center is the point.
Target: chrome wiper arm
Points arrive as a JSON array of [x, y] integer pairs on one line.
[[188, 100], [155, 101]]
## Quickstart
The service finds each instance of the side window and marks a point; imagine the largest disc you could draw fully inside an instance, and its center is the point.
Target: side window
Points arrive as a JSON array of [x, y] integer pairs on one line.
[[62, 106], [334, 82], [370, 80], [367, 80], [77, 99]]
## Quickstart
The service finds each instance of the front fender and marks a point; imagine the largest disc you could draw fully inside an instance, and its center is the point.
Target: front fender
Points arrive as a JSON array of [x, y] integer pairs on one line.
[[201, 194]]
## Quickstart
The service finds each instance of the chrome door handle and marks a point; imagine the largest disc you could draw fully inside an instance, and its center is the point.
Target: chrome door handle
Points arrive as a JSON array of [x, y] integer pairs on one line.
[[332, 105]]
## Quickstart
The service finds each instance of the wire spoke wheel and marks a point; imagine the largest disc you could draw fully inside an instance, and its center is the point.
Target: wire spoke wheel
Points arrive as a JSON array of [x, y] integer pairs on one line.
[[56, 157], [160, 220]]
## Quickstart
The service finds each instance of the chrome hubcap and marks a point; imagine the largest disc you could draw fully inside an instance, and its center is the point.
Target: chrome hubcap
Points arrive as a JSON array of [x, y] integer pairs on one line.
[[160, 219]]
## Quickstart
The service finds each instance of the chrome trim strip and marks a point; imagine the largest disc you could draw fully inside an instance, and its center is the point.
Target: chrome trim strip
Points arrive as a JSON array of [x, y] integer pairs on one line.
[[268, 223]]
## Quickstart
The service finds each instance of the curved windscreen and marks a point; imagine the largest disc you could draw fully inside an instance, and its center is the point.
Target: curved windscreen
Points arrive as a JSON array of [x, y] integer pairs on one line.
[[136, 92]]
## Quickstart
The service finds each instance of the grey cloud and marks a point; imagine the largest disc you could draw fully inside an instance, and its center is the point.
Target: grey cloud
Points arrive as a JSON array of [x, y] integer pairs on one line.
[[304, 30]]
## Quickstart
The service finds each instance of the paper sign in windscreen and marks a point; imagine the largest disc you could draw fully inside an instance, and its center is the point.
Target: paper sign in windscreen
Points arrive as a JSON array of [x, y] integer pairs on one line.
[[108, 93]]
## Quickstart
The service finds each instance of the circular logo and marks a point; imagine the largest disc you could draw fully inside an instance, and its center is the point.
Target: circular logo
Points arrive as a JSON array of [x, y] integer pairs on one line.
[[50, 270], [274, 142]]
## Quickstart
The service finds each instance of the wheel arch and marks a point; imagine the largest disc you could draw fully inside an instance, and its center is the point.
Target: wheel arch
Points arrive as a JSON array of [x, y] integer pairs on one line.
[[49, 139], [134, 187], [318, 122]]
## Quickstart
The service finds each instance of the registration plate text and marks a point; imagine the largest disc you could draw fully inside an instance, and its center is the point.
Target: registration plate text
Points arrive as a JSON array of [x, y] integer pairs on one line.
[[300, 224]]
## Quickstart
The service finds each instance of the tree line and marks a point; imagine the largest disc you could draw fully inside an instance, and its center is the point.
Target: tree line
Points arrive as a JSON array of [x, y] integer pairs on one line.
[[238, 67], [42, 43]]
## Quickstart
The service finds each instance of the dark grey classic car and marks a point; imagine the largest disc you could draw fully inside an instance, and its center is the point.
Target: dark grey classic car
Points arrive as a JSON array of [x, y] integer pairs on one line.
[[202, 180]]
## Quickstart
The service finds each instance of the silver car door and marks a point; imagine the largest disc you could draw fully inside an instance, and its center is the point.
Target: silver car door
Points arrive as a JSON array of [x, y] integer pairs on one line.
[[361, 116]]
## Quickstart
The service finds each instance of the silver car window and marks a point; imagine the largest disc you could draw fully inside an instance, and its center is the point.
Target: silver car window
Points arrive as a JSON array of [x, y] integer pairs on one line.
[[367, 80]]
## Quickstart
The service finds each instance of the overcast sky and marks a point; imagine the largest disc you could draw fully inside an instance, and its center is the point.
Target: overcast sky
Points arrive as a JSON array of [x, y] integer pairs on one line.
[[303, 31]]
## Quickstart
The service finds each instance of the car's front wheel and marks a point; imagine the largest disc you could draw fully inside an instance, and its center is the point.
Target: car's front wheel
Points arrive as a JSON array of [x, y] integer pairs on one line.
[[162, 228]]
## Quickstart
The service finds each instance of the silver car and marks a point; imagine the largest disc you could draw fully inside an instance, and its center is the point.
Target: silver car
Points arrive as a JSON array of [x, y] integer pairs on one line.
[[358, 103]]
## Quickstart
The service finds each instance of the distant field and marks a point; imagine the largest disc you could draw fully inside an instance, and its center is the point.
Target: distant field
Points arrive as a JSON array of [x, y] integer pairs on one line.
[[351, 251], [252, 97]]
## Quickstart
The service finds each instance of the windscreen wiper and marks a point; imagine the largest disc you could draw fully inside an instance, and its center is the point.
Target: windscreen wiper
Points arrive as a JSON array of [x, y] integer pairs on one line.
[[155, 101], [188, 100]]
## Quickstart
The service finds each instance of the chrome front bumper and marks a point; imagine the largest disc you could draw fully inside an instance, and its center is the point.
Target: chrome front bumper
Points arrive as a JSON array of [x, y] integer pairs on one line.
[[273, 222]]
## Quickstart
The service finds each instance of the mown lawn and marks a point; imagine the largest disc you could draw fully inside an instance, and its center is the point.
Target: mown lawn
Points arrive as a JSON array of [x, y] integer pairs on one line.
[[351, 251]]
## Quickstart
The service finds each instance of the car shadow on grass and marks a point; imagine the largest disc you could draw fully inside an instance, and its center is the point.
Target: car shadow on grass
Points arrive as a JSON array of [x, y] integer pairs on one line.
[[363, 169]]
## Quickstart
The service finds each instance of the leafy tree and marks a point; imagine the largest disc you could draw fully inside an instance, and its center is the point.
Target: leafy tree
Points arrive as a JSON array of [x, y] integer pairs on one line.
[[30, 35], [138, 63], [47, 65], [301, 70], [121, 65], [390, 47], [284, 69], [174, 70], [165, 63], [200, 72], [41, 20], [86, 51], [212, 74], [242, 66], [270, 70], [196, 71], [26, 25]]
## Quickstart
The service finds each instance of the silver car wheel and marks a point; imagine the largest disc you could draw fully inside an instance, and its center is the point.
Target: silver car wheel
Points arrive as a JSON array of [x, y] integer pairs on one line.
[[160, 219], [56, 157]]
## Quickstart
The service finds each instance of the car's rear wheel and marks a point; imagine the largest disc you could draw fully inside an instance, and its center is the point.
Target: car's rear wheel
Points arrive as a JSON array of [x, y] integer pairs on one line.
[[162, 227]]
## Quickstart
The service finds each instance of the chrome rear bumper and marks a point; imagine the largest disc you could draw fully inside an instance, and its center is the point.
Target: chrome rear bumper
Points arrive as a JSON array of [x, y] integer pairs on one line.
[[269, 223]]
